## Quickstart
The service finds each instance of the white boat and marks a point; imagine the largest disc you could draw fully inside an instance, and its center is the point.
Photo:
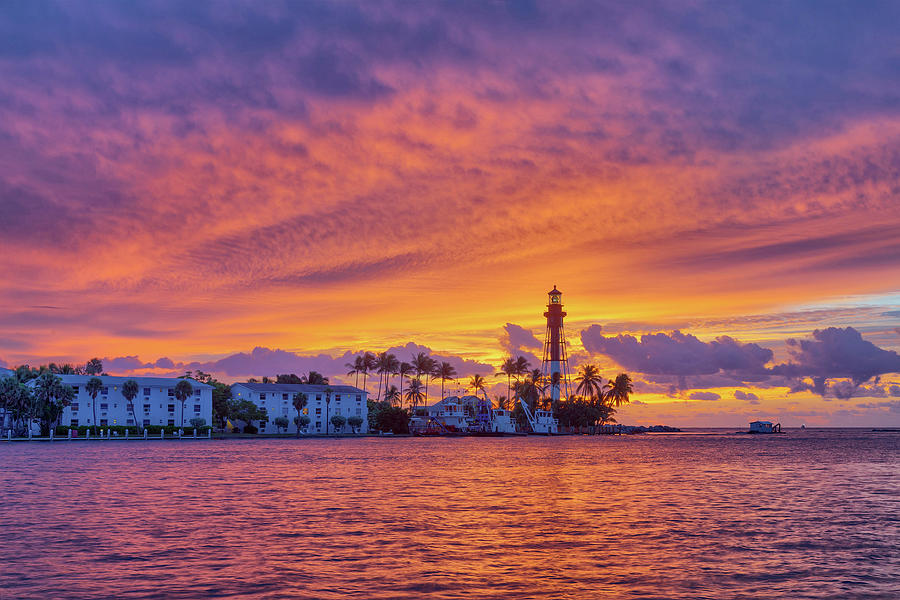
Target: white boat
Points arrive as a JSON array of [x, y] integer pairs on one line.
[[542, 421], [765, 427]]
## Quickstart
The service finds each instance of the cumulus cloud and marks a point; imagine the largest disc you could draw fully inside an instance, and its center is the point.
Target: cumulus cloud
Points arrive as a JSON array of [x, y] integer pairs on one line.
[[750, 397], [836, 353], [709, 396], [519, 341], [680, 354], [261, 361], [895, 390]]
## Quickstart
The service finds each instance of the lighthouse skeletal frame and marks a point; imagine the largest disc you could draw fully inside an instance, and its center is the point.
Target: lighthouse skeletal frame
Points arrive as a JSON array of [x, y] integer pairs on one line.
[[555, 365]]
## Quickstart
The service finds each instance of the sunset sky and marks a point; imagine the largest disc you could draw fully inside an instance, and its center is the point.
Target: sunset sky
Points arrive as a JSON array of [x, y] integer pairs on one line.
[[269, 187]]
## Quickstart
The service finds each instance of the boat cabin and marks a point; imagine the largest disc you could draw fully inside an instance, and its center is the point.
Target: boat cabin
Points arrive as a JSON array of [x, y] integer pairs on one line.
[[765, 427]]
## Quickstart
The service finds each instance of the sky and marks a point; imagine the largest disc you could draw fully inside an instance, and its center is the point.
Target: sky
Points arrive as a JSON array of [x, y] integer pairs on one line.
[[259, 188]]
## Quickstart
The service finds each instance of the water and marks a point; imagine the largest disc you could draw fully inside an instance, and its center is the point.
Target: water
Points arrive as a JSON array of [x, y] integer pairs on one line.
[[812, 514]]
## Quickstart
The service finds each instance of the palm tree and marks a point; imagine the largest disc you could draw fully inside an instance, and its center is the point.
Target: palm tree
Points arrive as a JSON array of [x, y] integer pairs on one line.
[[392, 395], [314, 378], [183, 391], [368, 363], [300, 402], [414, 394], [92, 387], [589, 382], [403, 370], [522, 366], [619, 389], [445, 371], [355, 367], [328, 392], [477, 382], [380, 368], [509, 369], [129, 392], [423, 364], [93, 367]]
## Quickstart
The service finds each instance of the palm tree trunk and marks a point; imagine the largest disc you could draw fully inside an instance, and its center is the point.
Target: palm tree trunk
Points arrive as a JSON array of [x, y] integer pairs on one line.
[[401, 391]]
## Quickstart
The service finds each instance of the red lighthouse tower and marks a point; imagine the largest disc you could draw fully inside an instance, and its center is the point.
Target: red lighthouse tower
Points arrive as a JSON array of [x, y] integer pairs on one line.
[[555, 366]]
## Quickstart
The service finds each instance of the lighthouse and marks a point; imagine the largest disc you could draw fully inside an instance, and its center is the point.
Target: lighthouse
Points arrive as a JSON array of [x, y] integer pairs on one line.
[[555, 365]]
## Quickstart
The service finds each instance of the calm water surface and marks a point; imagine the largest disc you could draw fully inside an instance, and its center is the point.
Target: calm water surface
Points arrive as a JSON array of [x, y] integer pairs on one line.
[[812, 514]]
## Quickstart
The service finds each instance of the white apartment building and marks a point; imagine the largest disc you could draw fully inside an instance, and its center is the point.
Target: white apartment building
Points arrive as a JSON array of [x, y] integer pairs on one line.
[[155, 403], [278, 400]]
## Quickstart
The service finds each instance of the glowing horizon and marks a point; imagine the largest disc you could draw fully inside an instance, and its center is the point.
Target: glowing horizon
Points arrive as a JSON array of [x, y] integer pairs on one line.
[[191, 183]]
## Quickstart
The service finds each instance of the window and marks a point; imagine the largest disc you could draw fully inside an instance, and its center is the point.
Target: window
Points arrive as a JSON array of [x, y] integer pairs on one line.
[[104, 406], [171, 421], [197, 392], [284, 397], [337, 398], [75, 389], [147, 393], [129, 407], [197, 408], [318, 411], [115, 406], [171, 392], [129, 422], [146, 409], [262, 426], [358, 412], [359, 398], [171, 408], [74, 406], [262, 396], [104, 422], [337, 410], [104, 390], [146, 422], [284, 411], [318, 397], [73, 423], [319, 425]]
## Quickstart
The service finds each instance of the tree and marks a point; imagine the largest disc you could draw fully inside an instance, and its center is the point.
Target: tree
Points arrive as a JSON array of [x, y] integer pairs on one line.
[[368, 364], [476, 384], [392, 395], [509, 369], [403, 370], [281, 423], [221, 394], [619, 389], [93, 387], [197, 422], [445, 371], [246, 411], [424, 365], [15, 398], [388, 364], [384, 417], [183, 391], [414, 394], [292, 379], [130, 391], [522, 366], [51, 397], [338, 421], [355, 368], [301, 421], [93, 367], [300, 401], [314, 378], [355, 423], [328, 392], [589, 383]]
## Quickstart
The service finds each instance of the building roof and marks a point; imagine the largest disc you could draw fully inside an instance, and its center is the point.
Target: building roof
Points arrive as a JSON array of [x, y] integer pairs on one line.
[[116, 380], [299, 387], [554, 292]]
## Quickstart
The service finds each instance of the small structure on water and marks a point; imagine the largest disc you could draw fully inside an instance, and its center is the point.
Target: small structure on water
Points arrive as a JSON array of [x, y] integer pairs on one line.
[[765, 427]]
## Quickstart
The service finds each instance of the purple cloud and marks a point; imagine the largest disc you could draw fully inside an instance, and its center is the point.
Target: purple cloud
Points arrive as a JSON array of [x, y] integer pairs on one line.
[[679, 354], [834, 353], [708, 396], [750, 397]]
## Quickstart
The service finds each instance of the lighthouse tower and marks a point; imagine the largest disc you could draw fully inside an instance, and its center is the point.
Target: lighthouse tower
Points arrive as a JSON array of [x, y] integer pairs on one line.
[[555, 366]]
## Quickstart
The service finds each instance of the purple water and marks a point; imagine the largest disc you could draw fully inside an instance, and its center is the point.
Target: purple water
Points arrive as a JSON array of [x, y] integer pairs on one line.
[[811, 514]]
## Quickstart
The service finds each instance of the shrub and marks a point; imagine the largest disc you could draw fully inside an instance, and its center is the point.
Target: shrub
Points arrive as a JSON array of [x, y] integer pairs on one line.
[[250, 429], [198, 422]]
